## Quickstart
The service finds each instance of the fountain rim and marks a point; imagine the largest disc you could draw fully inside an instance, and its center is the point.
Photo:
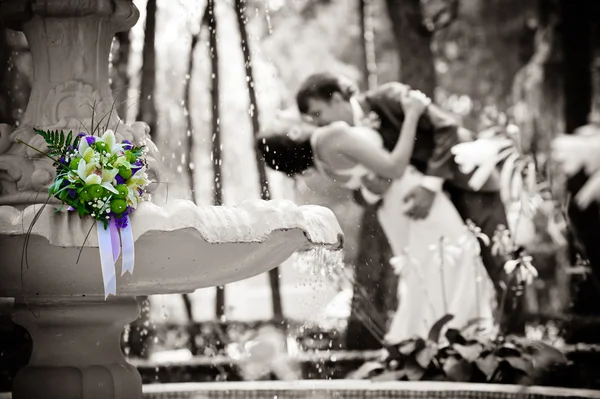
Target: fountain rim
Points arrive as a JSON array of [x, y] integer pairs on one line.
[[220, 224], [367, 385]]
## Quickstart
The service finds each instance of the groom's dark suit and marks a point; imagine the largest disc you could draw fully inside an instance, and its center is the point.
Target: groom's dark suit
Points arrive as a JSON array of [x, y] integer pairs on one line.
[[436, 135]]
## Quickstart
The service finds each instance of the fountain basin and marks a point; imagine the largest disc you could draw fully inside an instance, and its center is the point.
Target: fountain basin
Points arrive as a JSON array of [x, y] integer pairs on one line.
[[358, 389], [179, 247]]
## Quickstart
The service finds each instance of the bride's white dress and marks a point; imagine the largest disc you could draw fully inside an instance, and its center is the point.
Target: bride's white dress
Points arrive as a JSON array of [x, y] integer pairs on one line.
[[436, 258]]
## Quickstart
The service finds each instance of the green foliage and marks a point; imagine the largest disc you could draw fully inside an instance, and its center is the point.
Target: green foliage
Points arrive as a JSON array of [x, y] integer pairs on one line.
[[58, 143], [507, 360]]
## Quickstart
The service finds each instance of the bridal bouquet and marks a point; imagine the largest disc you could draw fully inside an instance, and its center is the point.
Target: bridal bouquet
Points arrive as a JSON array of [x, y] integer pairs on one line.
[[98, 177]]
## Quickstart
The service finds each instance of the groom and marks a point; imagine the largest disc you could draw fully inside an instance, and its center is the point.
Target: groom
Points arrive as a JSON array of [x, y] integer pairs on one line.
[[327, 98]]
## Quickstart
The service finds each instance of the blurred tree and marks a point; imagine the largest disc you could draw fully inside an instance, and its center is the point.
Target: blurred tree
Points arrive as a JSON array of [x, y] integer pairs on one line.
[[140, 336], [15, 75], [119, 75], [478, 55], [6, 115], [578, 19], [216, 155], [372, 271], [413, 39], [263, 182], [15, 341], [147, 109], [367, 29], [193, 328]]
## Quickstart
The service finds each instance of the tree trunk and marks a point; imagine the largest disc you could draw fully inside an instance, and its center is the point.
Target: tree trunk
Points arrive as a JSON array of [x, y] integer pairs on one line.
[[413, 40], [15, 81], [577, 24], [216, 154], [240, 9], [372, 272], [186, 298], [6, 115], [147, 110], [140, 335], [119, 76], [365, 9]]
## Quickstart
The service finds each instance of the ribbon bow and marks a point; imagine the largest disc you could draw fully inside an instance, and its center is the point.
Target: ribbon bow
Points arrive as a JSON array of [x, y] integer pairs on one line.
[[111, 240]]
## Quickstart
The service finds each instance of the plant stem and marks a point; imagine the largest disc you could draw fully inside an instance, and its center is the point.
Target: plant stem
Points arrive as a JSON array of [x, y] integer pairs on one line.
[[442, 276], [38, 151]]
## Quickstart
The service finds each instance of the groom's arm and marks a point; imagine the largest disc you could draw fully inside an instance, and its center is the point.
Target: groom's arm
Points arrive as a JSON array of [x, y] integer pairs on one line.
[[439, 164]]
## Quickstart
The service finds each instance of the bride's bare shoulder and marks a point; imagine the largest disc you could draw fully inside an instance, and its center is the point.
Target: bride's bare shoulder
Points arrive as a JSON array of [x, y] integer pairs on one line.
[[333, 130]]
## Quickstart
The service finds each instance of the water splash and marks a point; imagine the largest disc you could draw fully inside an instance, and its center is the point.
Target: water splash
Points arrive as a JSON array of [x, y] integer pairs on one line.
[[319, 261]]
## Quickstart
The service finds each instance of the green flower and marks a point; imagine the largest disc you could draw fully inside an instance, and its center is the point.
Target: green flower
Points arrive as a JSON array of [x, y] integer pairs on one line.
[[118, 206]]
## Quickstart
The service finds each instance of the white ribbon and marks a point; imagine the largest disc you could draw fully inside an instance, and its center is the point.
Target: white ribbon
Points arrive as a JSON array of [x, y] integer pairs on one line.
[[107, 260]]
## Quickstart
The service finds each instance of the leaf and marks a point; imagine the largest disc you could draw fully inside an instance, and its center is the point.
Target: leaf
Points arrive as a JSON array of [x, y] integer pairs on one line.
[[519, 363], [544, 355], [394, 375], [410, 346], [455, 337], [367, 370], [424, 356], [61, 140], [469, 352], [508, 349], [458, 370], [413, 371], [436, 329], [69, 139], [487, 365]]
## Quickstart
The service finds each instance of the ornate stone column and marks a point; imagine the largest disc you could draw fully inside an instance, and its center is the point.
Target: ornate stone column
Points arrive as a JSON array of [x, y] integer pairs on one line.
[[76, 352], [70, 43]]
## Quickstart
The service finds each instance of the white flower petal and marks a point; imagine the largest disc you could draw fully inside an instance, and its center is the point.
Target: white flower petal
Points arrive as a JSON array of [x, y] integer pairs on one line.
[[110, 187], [92, 180], [83, 145]]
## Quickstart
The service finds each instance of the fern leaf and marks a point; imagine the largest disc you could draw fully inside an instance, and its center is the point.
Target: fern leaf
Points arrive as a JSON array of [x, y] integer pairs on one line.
[[69, 140], [61, 141]]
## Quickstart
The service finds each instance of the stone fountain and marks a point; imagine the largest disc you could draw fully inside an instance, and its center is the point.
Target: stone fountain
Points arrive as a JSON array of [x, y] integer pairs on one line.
[[179, 247]]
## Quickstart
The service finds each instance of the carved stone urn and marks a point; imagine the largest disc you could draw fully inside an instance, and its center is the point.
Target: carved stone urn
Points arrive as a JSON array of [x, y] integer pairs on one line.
[[49, 265]]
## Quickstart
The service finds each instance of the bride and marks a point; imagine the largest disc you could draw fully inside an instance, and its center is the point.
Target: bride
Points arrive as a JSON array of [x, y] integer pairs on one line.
[[437, 258]]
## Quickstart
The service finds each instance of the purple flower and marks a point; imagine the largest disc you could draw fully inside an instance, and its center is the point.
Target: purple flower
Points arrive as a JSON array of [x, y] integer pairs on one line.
[[62, 160], [138, 165], [81, 134], [72, 193], [119, 179], [122, 220], [90, 140], [127, 145]]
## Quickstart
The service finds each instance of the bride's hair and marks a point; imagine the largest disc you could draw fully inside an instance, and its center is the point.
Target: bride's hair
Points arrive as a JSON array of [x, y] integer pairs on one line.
[[280, 151], [286, 155]]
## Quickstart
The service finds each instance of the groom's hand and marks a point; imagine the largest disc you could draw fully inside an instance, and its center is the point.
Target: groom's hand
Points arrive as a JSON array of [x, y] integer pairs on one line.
[[422, 200]]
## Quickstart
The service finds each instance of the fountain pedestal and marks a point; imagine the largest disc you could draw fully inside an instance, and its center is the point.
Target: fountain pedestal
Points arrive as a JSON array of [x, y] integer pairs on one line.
[[76, 351], [179, 247]]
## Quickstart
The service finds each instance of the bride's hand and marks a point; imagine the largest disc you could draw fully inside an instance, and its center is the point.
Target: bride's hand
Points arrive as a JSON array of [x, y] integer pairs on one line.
[[415, 102]]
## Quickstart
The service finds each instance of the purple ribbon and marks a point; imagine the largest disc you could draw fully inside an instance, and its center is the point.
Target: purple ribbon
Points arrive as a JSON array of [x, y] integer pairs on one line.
[[107, 260], [128, 247], [114, 239]]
